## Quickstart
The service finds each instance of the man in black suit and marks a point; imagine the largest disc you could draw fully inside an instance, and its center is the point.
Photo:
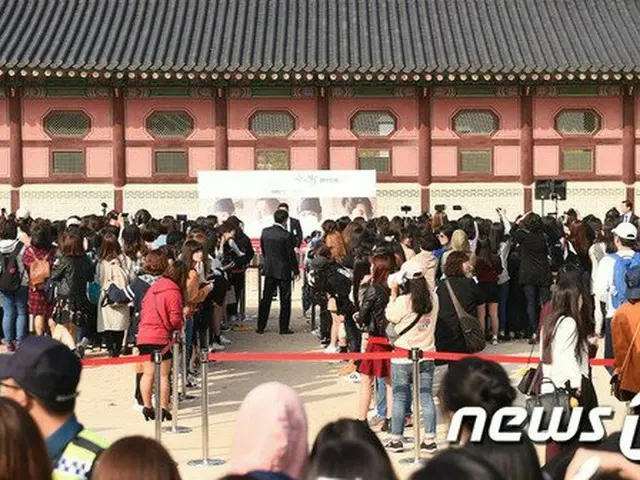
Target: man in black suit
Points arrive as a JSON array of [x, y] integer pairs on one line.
[[280, 268], [626, 213], [293, 226]]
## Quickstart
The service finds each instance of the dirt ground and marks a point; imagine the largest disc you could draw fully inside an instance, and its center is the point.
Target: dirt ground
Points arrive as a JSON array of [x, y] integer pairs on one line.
[[106, 399]]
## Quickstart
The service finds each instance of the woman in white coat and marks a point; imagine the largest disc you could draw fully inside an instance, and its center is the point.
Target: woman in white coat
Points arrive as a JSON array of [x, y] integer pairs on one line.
[[113, 268]]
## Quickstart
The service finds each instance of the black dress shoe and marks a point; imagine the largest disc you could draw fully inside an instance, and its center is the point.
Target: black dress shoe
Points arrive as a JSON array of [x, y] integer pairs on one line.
[[286, 332], [260, 332]]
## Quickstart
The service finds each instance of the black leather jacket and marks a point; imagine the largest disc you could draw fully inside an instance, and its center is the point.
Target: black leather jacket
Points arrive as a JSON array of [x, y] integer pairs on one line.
[[71, 275], [373, 303]]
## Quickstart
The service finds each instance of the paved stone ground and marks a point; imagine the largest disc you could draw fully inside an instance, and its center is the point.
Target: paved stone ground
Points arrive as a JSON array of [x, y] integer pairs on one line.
[[106, 399]]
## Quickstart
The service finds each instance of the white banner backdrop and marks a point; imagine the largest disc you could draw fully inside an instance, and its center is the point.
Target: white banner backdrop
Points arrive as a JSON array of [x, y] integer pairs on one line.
[[313, 195]]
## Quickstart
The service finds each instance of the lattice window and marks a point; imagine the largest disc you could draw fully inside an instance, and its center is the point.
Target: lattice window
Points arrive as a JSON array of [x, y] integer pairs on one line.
[[373, 124], [374, 159], [475, 122], [68, 163], [577, 122], [67, 124], [577, 160], [475, 161], [271, 159], [272, 124], [171, 162], [170, 124]]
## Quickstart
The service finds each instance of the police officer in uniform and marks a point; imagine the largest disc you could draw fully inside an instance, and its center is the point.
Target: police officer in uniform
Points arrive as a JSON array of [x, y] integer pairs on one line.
[[43, 377]]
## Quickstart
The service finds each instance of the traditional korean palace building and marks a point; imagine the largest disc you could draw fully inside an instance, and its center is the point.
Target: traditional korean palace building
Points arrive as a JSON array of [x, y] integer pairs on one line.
[[451, 101]]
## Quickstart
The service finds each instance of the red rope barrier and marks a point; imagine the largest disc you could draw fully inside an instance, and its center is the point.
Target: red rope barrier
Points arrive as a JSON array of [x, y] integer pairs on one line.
[[321, 356]]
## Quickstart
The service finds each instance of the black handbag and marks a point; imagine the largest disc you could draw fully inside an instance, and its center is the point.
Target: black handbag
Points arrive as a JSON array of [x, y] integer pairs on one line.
[[560, 397]]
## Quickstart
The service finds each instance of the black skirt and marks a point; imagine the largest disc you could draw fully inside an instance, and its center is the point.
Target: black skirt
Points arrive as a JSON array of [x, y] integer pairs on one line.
[[69, 310]]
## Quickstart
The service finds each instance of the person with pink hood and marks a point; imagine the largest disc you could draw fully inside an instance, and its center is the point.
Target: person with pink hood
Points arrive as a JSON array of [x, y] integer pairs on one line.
[[270, 441]]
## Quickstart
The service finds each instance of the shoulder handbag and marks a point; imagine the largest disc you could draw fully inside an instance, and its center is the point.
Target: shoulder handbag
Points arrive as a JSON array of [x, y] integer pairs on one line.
[[618, 392], [530, 382], [548, 402], [471, 331], [391, 330]]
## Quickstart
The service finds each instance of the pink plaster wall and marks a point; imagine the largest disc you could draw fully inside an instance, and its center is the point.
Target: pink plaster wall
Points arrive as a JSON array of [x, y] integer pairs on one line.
[[444, 109], [303, 158], [609, 159], [303, 110], [4, 119], [405, 160], [99, 162], [201, 158], [137, 110], [444, 161], [35, 161], [342, 109], [546, 109], [4, 162], [35, 109], [139, 162], [546, 160], [241, 158], [506, 160], [343, 158]]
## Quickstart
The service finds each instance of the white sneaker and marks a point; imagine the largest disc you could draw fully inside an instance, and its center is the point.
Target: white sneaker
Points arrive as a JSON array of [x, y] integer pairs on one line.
[[494, 340], [316, 333], [224, 340], [353, 378], [331, 349], [216, 347]]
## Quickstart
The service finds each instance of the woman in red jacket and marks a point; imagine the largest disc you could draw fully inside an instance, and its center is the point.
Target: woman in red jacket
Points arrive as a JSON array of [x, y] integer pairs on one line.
[[160, 316]]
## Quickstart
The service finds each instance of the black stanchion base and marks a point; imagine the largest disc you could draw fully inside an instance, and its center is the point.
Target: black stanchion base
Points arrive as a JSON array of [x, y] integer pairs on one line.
[[208, 462], [184, 398]]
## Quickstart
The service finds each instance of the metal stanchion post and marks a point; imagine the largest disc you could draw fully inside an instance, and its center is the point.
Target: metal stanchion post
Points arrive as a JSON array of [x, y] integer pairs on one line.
[[205, 461], [183, 362], [175, 428], [415, 355], [157, 365]]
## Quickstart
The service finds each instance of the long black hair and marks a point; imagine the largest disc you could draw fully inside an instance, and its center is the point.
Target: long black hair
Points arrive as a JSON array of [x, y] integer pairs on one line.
[[566, 303], [497, 235], [420, 293], [485, 253]]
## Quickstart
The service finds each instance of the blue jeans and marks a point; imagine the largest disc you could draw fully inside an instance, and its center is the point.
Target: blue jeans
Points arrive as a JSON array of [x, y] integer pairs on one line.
[[608, 343], [381, 385], [15, 321], [401, 382], [503, 290]]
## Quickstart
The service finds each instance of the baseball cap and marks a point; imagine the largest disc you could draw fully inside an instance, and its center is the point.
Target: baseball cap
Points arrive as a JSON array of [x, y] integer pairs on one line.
[[45, 368], [412, 270], [23, 213], [626, 230]]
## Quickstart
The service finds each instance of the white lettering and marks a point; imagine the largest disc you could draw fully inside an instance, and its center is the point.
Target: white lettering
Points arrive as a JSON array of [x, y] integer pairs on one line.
[[596, 417], [537, 435], [455, 430], [627, 435], [517, 418]]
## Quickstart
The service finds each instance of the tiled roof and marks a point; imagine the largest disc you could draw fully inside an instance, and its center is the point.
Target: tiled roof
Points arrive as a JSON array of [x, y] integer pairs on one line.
[[320, 36]]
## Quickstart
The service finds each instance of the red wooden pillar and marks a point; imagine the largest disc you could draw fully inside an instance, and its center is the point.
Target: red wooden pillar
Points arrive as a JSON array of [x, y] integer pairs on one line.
[[424, 147], [221, 150], [629, 143], [526, 147], [322, 121], [119, 148], [16, 177]]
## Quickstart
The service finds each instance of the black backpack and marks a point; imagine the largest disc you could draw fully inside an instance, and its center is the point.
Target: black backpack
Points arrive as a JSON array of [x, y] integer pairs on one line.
[[10, 279]]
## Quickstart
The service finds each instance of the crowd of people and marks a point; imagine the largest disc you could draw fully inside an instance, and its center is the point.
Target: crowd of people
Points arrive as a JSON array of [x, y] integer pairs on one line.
[[429, 283]]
